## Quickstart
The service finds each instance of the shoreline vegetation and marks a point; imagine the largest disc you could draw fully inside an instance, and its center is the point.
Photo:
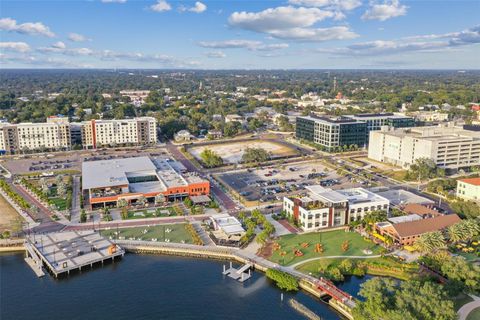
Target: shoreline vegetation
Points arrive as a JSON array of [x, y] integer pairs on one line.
[[337, 268]]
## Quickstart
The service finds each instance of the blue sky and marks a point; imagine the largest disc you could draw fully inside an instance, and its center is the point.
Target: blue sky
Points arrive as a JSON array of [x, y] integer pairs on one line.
[[240, 34]]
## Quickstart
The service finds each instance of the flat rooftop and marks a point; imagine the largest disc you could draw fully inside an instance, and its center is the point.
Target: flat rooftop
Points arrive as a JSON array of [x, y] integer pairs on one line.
[[373, 116], [330, 120], [140, 174], [111, 173], [72, 250], [402, 197], [353, 195], [229, 224], [435, 133]]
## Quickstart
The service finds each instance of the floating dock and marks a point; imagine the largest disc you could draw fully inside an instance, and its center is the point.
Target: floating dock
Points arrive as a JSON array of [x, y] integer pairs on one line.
[[238, 274], [62, 252]]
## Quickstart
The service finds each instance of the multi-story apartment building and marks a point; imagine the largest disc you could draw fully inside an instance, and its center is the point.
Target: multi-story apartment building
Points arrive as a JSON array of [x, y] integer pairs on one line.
[[450, 146], [469, 189], [324, 208], [59, 134], [138, 131], [23, 137], [331, 132]]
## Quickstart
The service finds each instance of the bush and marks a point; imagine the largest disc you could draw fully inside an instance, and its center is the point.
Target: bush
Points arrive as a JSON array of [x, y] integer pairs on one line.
[[283, 280]]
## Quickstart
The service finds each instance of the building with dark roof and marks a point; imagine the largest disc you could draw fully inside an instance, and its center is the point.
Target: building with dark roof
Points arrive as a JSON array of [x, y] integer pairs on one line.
[[407, 232]]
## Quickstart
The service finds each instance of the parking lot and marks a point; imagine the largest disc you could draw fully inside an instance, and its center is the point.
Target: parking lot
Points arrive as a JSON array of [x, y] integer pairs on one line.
[[50, 163], [271, 184]]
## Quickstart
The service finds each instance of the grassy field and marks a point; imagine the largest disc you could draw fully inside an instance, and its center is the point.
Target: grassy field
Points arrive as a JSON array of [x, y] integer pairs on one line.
[[375, 266], [474, 314], [178, 234], [151, 213], [330, 240], [60, 203]]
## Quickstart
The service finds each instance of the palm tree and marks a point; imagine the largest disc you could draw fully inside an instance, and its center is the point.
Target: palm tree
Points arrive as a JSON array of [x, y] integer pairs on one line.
[[471, 227], [122, 203], [455, 233], [430, 242]]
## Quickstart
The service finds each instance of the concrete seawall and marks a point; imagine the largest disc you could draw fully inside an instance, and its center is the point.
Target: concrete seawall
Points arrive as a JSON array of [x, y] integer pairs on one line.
[[222, 253]]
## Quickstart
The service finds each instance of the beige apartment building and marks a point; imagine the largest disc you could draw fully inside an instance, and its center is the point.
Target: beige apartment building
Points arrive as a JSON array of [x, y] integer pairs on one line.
[[137, 131], [450, 146], [51, 135], [469, 189], [59, 134]]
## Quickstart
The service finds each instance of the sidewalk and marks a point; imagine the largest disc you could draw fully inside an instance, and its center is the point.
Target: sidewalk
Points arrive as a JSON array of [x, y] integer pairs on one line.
[[467, 308]]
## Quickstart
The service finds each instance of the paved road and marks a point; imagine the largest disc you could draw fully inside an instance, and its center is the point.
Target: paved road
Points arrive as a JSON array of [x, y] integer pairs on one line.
[[219, 194]]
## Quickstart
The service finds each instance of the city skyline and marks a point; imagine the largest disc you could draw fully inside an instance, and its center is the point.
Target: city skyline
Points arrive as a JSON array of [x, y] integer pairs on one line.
[[291, 34]]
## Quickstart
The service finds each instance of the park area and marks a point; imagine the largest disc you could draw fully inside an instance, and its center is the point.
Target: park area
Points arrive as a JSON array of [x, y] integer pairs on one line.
[[232, 152], [295, 248], [152, 213], [176, 233], [56, 191]]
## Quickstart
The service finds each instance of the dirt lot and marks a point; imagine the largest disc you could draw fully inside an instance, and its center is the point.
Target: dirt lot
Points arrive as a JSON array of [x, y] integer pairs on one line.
[[272, 183], [232, 153], [8, 216]]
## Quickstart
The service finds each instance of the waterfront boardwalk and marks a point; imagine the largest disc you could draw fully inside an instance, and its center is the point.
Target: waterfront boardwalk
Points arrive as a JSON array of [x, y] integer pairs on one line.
[[62, 252], [341, 301]]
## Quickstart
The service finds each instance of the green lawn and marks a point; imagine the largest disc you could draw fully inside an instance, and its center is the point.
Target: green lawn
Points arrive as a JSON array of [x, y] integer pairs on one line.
[[474, 314], [386, 266], [151, 213], [330, 240], [60, 203], [177, 233]]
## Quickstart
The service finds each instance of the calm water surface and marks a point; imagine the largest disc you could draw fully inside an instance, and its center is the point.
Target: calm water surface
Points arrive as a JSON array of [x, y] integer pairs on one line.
[[148, 287]]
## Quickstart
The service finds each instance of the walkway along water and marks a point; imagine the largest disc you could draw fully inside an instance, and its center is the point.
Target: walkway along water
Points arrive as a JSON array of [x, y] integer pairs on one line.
[[339, 300]]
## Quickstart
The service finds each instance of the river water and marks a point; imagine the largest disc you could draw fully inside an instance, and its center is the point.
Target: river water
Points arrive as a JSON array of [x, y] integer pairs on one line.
[[148, 287]]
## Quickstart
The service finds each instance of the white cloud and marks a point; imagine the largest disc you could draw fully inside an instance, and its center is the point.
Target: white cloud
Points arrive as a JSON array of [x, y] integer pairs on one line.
[[333, 4], [15, 46], [198, 8], [114, 1], [384, 11], [60, 48], [315, 34], [76, 37], [279, 18], [251, 45], [59, 45], [216, 54], [161, 6], [32, 28], [292, 23], [410, 44], [164, 60]]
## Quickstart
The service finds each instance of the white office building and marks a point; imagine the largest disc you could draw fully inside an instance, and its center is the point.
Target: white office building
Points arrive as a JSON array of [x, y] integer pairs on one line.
[[326, 208], [450, 146]]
